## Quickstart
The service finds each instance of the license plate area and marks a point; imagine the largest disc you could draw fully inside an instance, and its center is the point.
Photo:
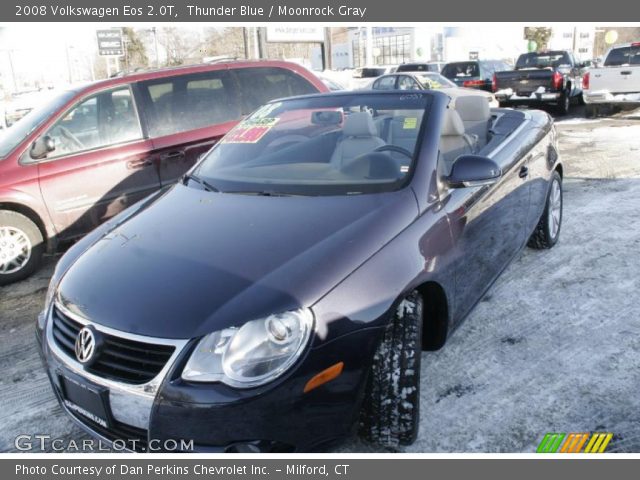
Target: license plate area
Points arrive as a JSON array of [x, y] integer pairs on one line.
[[85, 400]]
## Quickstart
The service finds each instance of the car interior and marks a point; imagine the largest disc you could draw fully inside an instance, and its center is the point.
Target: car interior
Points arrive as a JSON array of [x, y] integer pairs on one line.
[[366, 146]]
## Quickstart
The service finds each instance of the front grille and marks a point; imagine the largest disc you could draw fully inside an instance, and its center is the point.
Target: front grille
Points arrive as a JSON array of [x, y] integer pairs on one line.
[[120, 359], [132, 438]]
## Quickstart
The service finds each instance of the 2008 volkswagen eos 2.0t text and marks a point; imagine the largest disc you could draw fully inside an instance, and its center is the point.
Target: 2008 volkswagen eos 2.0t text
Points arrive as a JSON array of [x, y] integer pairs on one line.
[[278, 297]]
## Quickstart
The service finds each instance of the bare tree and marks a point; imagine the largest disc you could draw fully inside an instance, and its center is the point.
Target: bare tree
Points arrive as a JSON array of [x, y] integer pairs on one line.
[[540, 35], [181, 45], [228, 42]]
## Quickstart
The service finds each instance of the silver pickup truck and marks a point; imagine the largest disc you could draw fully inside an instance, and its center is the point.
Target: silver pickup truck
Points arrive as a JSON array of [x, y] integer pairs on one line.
[[616, 83]]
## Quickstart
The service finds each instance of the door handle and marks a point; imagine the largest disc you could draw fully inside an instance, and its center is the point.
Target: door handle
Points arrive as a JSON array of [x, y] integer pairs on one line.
[[173, 155], [626, 72], [133, 164], [524, 172]]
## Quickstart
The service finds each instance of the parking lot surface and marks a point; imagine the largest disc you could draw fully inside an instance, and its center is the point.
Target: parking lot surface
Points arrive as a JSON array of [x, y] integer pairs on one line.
[[553, 347]]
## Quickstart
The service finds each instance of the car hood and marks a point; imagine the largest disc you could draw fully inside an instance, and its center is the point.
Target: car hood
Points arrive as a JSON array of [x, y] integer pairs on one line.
[[194, 262]]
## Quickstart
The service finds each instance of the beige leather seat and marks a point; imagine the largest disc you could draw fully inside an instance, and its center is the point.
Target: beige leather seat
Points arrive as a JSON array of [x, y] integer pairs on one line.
[[359, 136], [453, 141], [475, 114]]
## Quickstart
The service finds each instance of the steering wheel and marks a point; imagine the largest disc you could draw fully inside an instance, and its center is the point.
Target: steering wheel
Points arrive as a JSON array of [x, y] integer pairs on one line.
[[394, 148], [67, 135]]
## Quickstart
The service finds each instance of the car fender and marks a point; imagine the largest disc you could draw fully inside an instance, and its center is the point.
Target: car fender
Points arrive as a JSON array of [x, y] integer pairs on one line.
[[17, 200]]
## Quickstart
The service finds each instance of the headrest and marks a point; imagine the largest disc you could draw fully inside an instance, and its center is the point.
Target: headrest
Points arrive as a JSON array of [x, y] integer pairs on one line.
[[453, 126], [473, 108], [359, 124]]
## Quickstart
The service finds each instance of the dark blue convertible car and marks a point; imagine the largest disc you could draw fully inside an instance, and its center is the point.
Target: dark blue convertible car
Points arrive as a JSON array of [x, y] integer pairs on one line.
[[279, 296]]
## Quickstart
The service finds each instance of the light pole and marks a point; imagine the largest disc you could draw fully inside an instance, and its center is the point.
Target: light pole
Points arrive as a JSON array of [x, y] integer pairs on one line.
[[155, 43]]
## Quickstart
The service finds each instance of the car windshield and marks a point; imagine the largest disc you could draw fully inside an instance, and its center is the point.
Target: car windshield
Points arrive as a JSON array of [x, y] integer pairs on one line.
[[326, 145], [22, 128], [434, 81], [461, 70], [623, 56], [542, 60]]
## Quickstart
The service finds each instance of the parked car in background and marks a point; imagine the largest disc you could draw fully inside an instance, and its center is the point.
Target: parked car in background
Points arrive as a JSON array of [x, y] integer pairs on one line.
[[421, 67], [551, 77], [330, 83], [428, 81], [363, 76], [206, 309], [474, 73], [92, 151], [616, 83]]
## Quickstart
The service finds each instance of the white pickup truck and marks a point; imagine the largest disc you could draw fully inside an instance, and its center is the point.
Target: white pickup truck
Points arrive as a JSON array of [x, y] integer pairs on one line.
[[616, 83]]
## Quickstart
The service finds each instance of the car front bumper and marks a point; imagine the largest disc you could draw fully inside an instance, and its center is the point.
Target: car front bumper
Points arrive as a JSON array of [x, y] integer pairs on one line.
[[604, 97], [170, 414]]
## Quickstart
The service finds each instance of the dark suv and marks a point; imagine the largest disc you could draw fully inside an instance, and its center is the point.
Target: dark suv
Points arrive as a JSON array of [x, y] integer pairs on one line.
[[474, 73], [90, 152]]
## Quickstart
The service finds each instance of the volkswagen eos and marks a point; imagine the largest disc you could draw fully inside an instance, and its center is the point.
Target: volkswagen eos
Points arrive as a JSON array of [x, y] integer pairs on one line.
[[280, 295]]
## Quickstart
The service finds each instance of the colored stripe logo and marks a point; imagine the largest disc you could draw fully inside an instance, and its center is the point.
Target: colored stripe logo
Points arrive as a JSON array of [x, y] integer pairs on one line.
[[574, 442]]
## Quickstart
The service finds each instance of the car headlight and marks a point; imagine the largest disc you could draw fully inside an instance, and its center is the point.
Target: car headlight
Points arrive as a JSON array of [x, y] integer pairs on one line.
[[254, 354]]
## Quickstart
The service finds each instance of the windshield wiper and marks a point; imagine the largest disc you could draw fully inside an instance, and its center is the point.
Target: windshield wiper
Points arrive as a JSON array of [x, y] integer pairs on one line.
[[264, 193], [192, 176]]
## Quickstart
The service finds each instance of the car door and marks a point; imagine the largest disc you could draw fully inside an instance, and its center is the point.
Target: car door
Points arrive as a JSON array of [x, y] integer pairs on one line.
[[488, 223], [100, 165], [187, 114]]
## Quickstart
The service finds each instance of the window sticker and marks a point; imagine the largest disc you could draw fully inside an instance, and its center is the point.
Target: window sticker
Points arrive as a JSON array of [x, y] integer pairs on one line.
[[410, 123], [250, 130], [265, 110]]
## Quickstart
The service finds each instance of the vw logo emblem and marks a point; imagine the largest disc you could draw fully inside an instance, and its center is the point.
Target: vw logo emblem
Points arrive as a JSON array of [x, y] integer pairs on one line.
[[86, 345]]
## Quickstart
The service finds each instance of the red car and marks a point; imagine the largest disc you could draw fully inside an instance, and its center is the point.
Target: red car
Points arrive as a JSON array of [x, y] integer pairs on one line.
[[90, 152]]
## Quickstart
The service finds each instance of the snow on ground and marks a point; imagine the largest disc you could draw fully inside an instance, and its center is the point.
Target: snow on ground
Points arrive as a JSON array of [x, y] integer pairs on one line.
[[554, 346]]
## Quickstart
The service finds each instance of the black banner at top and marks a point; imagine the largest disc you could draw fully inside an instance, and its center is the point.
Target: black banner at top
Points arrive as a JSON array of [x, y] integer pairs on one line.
[[329, 11]]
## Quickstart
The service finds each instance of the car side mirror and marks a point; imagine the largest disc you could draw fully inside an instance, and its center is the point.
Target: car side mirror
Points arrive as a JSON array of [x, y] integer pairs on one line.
[[473, 171], [42, 146]]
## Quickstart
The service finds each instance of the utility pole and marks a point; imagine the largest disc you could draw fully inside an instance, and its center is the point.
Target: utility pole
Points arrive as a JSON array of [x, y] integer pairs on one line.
[[369, 49], [256, 42], [13, 72], [155, 42], [245, 42], [326, 49]]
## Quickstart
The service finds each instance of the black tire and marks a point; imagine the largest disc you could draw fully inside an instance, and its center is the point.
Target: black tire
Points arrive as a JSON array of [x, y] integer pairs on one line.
[[11, 225], [590, 111], [581, 99], [564, 103], [544, 235], [391, 411]]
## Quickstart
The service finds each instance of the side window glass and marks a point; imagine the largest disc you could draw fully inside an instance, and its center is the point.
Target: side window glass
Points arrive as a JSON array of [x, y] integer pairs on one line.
[[407, 83], [386, 83], [105, 119], [189, 102], [263, 84]]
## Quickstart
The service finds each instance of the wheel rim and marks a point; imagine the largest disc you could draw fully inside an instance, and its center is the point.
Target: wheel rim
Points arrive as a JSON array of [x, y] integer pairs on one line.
[[15, 250], [555, 209], [567, 103]]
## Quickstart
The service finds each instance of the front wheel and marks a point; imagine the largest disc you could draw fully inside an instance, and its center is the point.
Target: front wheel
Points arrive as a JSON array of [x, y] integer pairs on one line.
[[547, 231], [21, 247], [391, 411]]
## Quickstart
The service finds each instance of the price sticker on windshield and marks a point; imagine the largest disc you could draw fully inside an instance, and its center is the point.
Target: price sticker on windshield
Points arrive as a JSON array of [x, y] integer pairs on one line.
[[250, 130], [410, 123]]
